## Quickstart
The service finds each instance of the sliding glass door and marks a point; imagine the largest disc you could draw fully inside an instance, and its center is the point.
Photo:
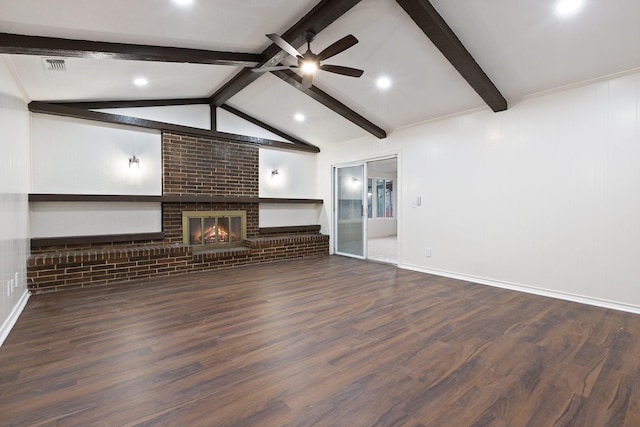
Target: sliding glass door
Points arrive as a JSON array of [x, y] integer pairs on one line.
[[349, 224]]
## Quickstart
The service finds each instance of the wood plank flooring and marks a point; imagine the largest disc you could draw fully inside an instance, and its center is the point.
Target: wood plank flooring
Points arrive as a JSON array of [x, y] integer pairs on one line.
[[329, 341]]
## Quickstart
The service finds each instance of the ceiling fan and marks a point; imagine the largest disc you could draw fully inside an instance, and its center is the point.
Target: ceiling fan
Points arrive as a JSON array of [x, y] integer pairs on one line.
[[309, 61]]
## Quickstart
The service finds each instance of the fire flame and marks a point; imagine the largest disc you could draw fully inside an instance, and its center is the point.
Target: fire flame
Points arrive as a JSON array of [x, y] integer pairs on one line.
[[210, 235]]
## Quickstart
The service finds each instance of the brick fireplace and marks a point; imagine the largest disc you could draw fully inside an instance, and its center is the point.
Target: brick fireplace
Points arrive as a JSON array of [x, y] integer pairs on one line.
[[198, 166], [201, 176], [213, 229]]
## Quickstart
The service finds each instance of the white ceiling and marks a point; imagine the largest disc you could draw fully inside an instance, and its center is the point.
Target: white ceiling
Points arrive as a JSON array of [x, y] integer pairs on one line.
[[522, 46]]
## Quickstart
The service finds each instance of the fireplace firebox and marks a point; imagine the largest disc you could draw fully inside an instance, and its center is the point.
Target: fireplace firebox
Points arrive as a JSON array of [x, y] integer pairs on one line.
[[214, 229]]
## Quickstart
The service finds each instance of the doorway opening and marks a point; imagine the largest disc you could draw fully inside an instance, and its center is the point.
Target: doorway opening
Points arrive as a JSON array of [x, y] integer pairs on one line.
[[382, 212], [365, 210]]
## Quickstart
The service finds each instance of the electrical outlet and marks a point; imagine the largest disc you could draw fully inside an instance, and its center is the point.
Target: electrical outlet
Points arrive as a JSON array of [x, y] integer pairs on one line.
[[427, 252], [9, 287], [16, 281]]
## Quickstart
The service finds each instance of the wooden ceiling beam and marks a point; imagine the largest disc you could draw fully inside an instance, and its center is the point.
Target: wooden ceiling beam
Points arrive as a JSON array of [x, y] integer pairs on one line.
[[322, 97], [79, 113], [320, 17], [95, 105], [52, 46], [434, 26]]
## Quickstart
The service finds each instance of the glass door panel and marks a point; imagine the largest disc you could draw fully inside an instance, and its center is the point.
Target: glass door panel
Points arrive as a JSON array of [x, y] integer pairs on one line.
[[349, 214], [223, 229], [236, 229]]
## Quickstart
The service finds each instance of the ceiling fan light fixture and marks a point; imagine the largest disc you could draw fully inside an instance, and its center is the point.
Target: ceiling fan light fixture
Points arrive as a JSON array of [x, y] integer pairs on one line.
[[309, 62], [308, 67]]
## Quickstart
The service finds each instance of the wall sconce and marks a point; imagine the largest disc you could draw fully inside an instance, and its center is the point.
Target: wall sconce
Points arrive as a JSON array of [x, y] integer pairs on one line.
[[274, 173], [134, 161]]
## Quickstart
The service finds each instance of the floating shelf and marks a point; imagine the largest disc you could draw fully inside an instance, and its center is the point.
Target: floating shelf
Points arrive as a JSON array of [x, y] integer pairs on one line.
[[169, 198], [83, 240]]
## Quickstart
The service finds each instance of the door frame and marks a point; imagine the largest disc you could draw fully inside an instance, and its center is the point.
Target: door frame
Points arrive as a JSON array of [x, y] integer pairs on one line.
[[333, 234]]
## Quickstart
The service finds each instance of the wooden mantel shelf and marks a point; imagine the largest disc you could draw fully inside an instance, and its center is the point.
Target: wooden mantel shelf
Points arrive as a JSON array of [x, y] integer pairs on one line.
[[37, 197], [91, 198], [284, 200]]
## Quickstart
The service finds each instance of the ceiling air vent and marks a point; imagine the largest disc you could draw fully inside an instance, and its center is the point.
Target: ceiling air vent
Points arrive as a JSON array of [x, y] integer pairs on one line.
[[54, 64]]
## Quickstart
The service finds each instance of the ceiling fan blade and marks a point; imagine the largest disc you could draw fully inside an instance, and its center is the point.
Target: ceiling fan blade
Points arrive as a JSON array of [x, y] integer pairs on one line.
[[345, 71], [341, 45], [284, 45], [307, 80], [276, 68]]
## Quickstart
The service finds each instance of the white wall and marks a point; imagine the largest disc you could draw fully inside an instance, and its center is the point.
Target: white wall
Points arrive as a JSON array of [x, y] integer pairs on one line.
[[73, 156], [296, 174], [544, 197], [197, 116], [56, 219], [14, 188], [230, 123], [295, 179]]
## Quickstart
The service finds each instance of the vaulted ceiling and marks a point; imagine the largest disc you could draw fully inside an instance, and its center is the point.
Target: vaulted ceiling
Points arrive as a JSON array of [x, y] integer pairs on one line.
[[519, 48]]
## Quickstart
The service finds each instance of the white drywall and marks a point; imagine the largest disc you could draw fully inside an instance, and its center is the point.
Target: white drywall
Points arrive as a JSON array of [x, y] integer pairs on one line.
[[296, 174], [289, 214], [542, 197], [14, 189], [73, 156], [295, 179], [230, 123], [57, 219], [197, 116]]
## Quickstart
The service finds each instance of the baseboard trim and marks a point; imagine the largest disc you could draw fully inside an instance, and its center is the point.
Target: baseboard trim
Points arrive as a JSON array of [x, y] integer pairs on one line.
[[13, 317], [528, 289]]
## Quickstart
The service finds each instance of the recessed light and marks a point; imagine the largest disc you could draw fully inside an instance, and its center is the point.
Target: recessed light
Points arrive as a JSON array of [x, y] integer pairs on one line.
[[568, 7], [383, 82], [183, 2], [299, 117], [141, 81]]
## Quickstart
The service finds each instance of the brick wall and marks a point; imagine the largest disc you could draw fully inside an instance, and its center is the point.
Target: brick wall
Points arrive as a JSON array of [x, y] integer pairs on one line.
[[191, 166], [58, 271], [198, 165], [202, 166]]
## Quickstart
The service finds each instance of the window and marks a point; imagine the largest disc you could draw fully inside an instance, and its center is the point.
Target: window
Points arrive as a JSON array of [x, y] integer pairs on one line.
[[383, 195], [388, 198], [369, 196], [380, 198]]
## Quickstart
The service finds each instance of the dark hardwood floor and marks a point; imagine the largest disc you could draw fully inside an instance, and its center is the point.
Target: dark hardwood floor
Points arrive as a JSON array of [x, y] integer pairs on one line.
[[329, 341]]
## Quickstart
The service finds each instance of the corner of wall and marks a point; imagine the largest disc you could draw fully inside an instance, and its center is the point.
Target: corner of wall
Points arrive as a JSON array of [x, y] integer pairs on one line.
[[14, 189]]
